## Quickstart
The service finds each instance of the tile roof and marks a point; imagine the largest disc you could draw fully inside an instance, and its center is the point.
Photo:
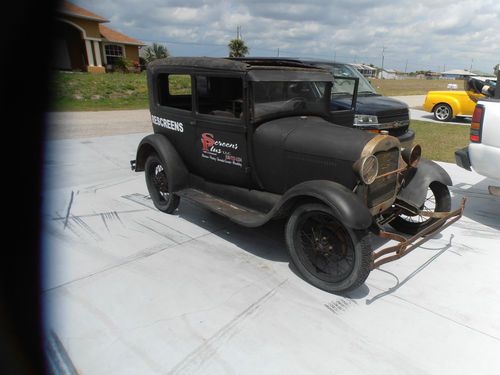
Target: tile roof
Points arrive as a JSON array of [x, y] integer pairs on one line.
[[76, 11], [114, 36]]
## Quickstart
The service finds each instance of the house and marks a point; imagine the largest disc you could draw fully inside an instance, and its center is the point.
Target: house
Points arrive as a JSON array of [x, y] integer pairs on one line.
[[456, 74], [84, 43], [387, 74], [367, 70]]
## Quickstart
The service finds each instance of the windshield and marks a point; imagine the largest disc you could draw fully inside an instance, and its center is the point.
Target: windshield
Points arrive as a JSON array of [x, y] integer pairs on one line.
[[347, 86], [275, 98]]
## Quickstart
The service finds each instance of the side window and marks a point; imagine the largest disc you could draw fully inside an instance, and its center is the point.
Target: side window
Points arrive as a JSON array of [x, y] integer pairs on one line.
[[174, 90], [220, 96]]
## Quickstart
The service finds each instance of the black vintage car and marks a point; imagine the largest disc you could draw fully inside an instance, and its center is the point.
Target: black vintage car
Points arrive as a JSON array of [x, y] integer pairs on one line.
[[256, 140]]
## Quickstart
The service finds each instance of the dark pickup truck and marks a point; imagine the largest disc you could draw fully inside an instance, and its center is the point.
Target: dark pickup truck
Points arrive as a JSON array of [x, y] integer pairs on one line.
[[373, 112]]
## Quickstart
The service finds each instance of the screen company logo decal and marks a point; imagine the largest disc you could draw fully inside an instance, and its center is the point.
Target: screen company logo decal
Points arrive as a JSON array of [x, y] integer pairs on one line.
[[219, 151], [168, 124]]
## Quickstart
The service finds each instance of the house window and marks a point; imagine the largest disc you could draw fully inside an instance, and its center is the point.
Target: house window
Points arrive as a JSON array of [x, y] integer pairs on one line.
[[113, 52]]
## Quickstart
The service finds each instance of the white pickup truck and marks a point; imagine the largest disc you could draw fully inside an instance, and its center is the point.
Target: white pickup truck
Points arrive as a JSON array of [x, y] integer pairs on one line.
[[483, 152]]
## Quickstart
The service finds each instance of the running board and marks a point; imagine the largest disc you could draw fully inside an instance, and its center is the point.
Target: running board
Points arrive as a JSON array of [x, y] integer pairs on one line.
[[235, 212]]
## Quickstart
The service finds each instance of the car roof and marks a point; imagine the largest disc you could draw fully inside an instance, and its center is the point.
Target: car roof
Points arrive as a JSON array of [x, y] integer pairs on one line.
[[243, 64], [304, 61]]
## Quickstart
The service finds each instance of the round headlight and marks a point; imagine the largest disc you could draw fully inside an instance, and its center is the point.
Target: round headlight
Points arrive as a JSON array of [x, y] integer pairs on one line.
[[367, 169], [412, 156]]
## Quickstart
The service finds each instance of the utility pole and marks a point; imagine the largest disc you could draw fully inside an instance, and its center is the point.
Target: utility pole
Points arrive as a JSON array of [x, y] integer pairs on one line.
[[382, 69], [471, 61], [406, 65], [334, 55], [238, 32], [278, 52]]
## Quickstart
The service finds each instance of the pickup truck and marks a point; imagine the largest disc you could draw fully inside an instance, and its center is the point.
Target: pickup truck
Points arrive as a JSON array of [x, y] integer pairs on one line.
[[483, 153]]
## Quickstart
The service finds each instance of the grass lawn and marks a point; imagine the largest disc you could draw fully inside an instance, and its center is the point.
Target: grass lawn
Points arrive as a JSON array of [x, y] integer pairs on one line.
[[411, 86], [94, 92], [440, 141]]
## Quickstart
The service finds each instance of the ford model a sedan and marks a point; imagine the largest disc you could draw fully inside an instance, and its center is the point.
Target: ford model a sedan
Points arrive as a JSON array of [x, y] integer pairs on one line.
[[255, 141]]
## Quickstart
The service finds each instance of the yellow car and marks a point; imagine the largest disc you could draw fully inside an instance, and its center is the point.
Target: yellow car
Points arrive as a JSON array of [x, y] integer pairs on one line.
[[448, 104]]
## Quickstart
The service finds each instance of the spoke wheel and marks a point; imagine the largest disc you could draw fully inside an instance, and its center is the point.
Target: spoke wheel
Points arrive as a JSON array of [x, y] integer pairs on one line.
[[437, 200], [443, 112], [327, 254], [157, 183]]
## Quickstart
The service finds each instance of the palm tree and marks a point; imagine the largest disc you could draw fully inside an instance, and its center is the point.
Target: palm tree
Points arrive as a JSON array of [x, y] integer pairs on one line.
[[237, 48], [155, 51]]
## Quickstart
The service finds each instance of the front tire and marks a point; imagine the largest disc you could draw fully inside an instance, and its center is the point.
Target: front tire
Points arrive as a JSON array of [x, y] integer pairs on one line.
[[327, 254], [438, 199], [443, 112], [158, 187]]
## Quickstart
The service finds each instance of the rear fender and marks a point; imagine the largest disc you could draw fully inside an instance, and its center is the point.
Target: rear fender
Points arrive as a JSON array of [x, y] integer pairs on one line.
[[159, 144], [452, 102], [348, 208], [418, 180]]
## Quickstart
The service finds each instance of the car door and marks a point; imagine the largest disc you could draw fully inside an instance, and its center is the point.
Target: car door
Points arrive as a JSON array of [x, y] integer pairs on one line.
[[221, 142], [172, 112]]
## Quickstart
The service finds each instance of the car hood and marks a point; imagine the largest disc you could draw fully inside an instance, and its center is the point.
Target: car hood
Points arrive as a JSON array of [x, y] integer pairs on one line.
[[311, 135], [372, 104]]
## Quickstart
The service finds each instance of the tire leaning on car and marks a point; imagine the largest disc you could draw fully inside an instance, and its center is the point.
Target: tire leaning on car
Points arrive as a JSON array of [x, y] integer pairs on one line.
[[158, 187], [443, 112], [327, 254], [438, 199]]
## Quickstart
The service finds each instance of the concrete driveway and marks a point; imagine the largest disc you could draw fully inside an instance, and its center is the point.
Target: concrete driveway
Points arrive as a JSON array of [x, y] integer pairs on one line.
[[129, 290]]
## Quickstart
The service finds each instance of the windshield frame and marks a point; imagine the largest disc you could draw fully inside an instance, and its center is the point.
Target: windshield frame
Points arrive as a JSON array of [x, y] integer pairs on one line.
[[354, 73]]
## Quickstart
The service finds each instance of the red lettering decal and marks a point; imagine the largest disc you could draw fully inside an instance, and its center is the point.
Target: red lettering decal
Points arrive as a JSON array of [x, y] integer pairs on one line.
[[207, 141]]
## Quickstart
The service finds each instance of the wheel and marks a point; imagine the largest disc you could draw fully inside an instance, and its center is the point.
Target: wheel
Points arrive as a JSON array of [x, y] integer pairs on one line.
[[326, 253], [437, 200], [157, 183], [443, 112]]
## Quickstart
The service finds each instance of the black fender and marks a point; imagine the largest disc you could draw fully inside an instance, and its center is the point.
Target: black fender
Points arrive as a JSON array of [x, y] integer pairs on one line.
[[346, 206], [176, 169], [418, 180]]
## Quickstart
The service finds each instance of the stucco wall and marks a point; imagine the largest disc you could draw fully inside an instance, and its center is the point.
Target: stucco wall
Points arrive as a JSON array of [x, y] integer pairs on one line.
[[132, 52], [91, 27]]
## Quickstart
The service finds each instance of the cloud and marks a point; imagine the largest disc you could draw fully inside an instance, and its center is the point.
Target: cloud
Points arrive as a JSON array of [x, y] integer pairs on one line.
[[422, 35]]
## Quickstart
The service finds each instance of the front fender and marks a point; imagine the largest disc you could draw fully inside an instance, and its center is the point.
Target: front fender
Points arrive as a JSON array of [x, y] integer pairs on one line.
[[418, 180], [347, 207], [159, 144]]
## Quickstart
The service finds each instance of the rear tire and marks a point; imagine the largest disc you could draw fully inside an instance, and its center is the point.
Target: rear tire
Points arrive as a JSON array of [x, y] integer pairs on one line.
[[327, 254], [443, 112], [157, 182]]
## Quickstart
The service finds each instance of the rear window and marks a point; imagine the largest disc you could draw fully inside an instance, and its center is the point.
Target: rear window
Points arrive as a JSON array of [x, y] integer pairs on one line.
[[174, 90]]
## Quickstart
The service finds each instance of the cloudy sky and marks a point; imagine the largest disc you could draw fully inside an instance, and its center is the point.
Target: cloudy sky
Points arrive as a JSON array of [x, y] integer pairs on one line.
[[416, 35]]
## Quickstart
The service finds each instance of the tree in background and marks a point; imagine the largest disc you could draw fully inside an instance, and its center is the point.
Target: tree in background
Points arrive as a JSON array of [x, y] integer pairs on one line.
[[495, 69], [237, 48], [154, 52]]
